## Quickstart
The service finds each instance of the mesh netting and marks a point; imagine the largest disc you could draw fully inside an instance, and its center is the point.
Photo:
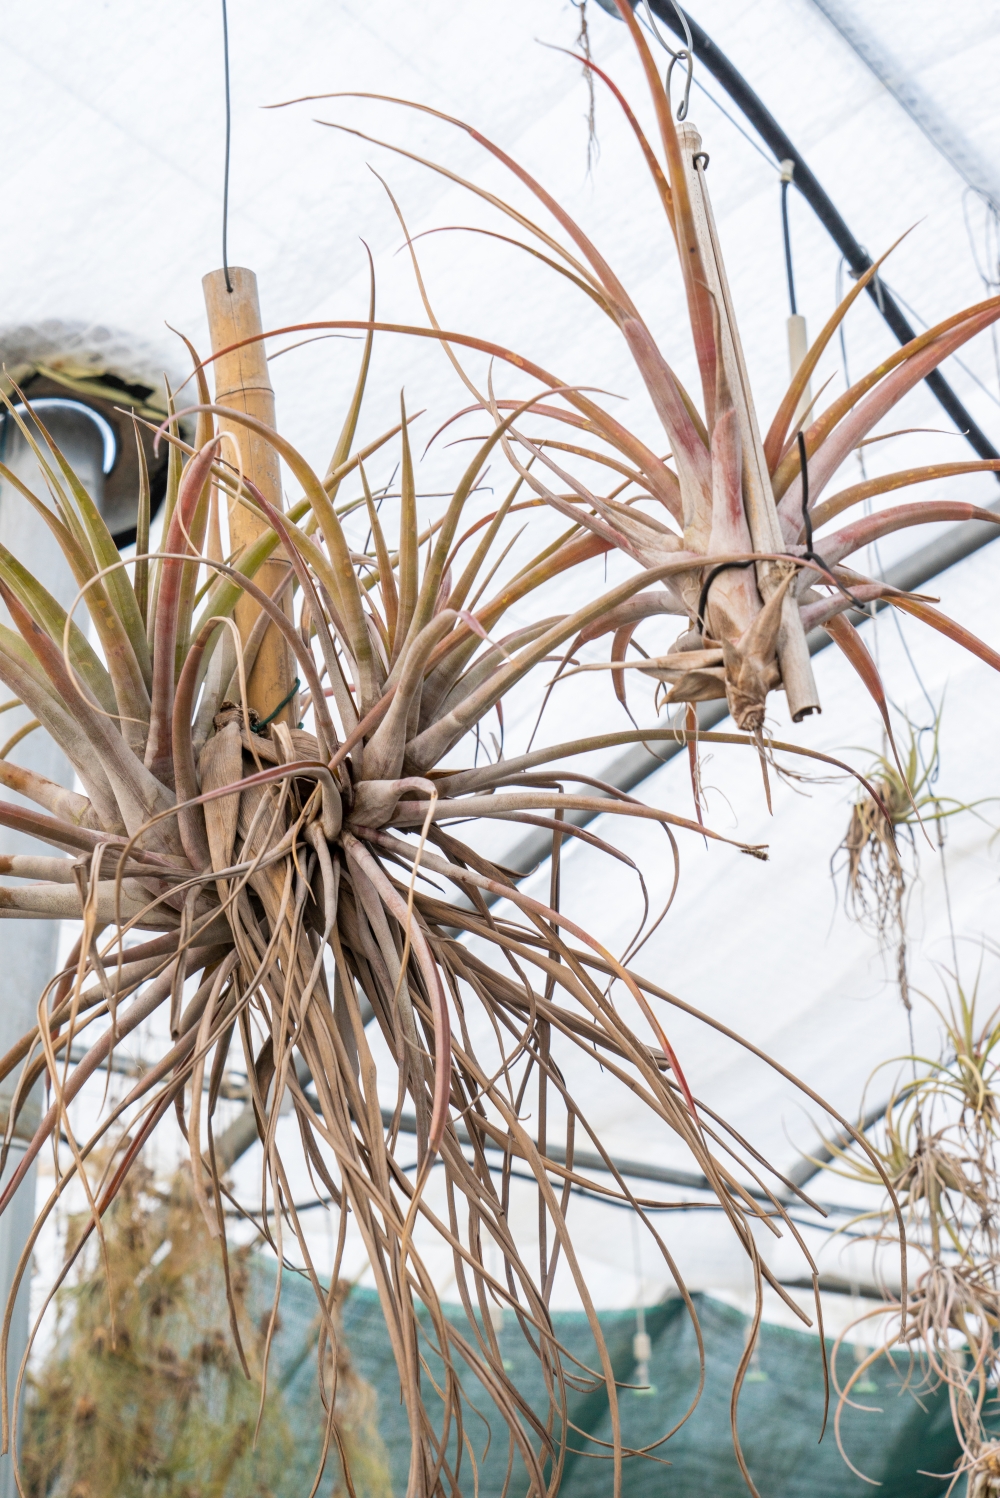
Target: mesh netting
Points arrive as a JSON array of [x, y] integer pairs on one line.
[[896, 1441]]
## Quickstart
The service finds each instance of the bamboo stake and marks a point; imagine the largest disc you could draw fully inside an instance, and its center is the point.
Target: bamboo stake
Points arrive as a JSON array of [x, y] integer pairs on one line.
[[762, 514], [242, 382]]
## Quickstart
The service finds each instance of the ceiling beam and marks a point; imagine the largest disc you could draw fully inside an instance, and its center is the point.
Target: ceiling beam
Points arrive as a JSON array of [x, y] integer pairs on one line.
[[975, 171]]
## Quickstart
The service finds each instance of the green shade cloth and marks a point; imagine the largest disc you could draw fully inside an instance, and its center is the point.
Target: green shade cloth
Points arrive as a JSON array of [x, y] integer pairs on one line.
[[780, 1410]]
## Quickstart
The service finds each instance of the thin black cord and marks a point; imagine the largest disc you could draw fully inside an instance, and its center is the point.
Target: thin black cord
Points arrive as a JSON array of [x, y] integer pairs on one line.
[[229, 124], [811, 555], [788, 244], [808, 555], [710, 579], [804, 468]]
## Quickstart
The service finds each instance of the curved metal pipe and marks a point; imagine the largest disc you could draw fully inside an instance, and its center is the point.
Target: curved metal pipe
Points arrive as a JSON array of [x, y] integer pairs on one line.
[[760, 117], [64, 403]]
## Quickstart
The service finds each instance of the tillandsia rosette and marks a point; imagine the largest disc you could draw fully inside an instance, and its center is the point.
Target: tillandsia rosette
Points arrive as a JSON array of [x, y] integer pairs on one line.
[[937, 1144], [728, 537], [284, 889]]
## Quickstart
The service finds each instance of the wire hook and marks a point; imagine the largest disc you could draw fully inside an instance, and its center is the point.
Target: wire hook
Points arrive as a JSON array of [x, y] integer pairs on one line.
[[685, 54], [682, 56]]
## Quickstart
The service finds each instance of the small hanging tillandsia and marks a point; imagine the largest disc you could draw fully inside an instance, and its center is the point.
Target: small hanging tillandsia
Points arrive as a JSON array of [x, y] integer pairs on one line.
[[292, 889], [905, 800], [938, 1146]]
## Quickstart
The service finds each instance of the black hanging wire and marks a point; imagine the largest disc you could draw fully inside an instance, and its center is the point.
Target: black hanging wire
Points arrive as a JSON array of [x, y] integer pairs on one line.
[[787, 167], [229, 125], [710, 579], [811, 555]]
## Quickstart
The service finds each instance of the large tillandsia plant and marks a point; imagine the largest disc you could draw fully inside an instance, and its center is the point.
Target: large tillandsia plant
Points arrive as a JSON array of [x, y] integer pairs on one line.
[[731, 528], [251, 855], [273, 868]]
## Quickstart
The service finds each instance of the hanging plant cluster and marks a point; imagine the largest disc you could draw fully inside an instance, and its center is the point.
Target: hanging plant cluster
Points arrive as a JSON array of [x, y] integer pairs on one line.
[[160, 1389], [293, 885], [938, 1147], [903, 797]]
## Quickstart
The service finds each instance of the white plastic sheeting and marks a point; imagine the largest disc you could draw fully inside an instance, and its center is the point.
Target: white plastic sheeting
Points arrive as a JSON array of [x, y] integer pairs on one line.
[[114, 122]]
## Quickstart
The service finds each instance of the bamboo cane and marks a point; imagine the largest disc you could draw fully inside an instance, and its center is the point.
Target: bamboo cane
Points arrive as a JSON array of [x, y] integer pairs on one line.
[[762, 515], [242, 381]]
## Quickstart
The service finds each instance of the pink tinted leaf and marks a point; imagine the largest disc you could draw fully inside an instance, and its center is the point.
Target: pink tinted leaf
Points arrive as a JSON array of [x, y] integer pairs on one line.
[[774, 441], [619, 646], [846, 637], [827, 509], [945, 626], [837, 431], [861, 533]]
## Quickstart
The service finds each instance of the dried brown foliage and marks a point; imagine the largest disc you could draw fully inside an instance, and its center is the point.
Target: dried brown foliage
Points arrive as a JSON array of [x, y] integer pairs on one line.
[[293, 885]]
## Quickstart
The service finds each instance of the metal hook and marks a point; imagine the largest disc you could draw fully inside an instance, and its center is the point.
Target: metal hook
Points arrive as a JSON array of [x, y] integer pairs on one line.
[[682, 56], [685, 54]]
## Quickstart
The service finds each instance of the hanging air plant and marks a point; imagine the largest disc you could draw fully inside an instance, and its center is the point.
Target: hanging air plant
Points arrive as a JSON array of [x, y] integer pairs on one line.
[[732, 527], [939, 1149], [903, 799], [293, 884]]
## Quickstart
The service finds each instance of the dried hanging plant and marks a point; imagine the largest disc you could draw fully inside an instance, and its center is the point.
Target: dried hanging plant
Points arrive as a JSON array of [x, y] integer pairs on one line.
[[251, 855], [583, 42], [146, 1394], [246, 859], [939, 1149], [161, 1390], [731, 502], [904, 800]]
